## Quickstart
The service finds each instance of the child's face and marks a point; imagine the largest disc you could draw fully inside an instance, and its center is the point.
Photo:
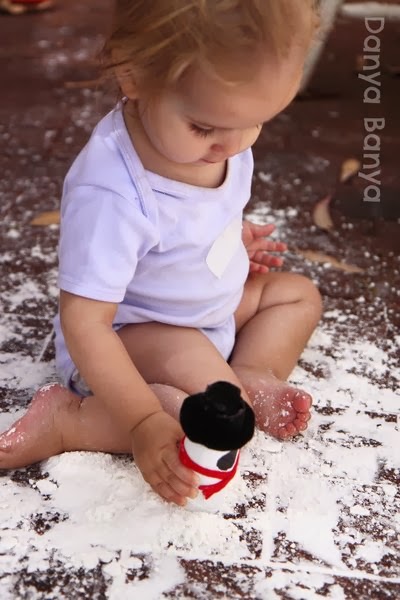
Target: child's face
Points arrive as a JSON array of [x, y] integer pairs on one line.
[[207, 121]]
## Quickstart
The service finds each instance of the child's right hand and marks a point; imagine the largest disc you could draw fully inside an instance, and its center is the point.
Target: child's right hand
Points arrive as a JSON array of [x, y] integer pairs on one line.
[[155, 450]]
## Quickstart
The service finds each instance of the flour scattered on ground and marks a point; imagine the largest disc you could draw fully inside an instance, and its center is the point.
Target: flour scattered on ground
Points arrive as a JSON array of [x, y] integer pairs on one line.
[[100, 509], [303, 511]]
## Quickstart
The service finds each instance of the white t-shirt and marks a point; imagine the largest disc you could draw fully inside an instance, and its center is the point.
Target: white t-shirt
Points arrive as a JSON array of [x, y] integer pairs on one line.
[[163, 250]]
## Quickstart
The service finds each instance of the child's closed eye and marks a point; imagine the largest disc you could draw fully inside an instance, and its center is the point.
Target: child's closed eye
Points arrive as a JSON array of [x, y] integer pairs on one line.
[[201, 131]]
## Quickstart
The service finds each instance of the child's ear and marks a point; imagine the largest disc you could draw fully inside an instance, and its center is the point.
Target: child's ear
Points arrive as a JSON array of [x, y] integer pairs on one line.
[[125, 77]]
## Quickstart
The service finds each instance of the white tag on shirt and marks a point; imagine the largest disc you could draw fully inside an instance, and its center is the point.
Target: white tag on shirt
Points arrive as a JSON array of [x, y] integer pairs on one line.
[[224, 248]]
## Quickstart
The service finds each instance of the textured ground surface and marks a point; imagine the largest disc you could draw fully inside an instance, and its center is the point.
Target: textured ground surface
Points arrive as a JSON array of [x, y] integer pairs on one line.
[[316, 518]]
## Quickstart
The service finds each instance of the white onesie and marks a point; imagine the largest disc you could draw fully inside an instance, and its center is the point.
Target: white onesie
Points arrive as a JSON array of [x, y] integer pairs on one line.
[[164, 250]]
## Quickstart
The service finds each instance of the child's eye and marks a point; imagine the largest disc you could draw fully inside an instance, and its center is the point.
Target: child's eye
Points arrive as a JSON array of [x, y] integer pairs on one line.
[[200, 131]]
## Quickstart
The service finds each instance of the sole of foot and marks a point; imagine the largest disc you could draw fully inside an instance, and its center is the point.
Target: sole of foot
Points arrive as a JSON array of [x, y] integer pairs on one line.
[[35, 436]]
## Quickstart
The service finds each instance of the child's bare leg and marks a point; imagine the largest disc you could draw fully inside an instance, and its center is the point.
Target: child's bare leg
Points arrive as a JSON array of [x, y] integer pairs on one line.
[[277, 315], [58, 421], [183, 361]]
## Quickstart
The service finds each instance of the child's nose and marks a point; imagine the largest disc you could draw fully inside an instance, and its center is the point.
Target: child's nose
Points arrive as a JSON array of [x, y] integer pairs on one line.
[[228, 145]]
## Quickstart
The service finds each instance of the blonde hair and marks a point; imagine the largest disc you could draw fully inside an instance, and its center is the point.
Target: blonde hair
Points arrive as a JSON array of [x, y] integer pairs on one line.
[[157, 41]]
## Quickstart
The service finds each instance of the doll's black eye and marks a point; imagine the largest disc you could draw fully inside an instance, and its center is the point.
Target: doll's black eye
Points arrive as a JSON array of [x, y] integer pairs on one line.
[[227, 460]]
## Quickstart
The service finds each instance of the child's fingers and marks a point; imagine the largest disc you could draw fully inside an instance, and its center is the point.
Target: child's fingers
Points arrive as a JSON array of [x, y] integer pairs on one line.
[[182, 480], [281, 246], [187, 476], [180, 487], [165, 491], [257, 268], [273, 261], [263, 229], [169, 487], [272, 246], [263, 245], [267, 260]]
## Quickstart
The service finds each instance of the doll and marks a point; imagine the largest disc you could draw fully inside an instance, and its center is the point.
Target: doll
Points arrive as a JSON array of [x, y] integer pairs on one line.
[[216, 423]]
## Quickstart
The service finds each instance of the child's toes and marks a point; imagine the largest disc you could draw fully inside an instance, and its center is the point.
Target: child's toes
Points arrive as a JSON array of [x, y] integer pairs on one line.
[[303, 417], [9, 439], [288, 431], [300, 425], [302, 402]]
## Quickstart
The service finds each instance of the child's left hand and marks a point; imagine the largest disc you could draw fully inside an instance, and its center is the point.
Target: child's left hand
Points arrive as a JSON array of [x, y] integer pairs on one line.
[[253, 237]]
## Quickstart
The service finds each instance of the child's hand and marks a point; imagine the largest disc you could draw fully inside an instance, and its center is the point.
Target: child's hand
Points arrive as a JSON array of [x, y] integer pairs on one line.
[[253, 237], [155, 450]]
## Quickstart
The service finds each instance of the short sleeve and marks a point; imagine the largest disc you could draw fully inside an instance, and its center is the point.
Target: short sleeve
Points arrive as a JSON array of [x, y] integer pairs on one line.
[[103, 236]]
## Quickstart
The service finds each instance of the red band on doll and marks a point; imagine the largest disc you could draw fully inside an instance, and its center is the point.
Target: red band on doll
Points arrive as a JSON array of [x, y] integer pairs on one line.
[[223, 476]]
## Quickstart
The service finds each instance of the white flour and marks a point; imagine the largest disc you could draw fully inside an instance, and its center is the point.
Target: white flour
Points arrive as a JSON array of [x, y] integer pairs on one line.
[[311, 493]]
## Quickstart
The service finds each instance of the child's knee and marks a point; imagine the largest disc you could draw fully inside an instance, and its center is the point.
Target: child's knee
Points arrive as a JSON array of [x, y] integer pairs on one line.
[[309, 294], [292, 288]]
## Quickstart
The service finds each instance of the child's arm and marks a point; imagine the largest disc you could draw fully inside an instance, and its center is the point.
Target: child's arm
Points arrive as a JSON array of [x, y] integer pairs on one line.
[[103, 361]]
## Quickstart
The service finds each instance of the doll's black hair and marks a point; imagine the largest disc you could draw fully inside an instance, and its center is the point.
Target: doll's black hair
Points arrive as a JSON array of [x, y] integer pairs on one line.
[[218, 418]]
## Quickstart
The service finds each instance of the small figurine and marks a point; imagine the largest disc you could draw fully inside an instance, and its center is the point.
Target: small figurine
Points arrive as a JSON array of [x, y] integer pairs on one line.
[[217, 423]]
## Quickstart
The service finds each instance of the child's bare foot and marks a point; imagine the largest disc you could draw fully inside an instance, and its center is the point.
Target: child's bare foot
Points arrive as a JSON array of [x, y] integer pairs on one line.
[[281, 410], [36, 435]]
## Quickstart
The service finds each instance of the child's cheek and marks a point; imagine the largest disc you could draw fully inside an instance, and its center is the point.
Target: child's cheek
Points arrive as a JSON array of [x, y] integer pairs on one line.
[[182, 149], [251, 137]]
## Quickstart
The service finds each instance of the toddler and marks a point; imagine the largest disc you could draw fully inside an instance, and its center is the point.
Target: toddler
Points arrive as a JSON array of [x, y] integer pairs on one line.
[[164, 288]]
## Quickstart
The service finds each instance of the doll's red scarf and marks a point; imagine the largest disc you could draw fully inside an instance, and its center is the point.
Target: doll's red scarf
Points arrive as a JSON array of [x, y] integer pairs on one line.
[[223, 476]]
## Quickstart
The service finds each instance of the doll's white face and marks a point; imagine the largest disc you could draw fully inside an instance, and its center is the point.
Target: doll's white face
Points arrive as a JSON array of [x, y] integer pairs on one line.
[[207, 121]]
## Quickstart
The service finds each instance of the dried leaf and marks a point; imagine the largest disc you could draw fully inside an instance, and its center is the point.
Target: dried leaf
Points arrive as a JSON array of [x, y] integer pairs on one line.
[[350, 167], [51, 217], [321, 215], [319, 257]]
